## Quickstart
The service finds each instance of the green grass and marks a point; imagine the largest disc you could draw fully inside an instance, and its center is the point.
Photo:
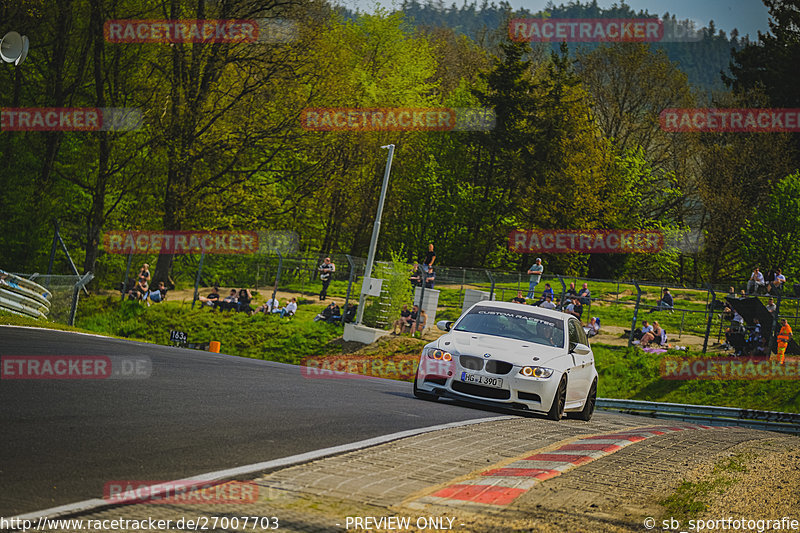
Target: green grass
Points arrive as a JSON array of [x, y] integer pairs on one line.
[[260, 336], [631, 373], [691, 498]]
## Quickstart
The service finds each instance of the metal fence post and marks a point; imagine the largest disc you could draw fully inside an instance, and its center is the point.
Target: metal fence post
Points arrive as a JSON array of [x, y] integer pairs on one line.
[[711, 308], [197, 278], [563, 290], [349, 285], [491, 279], [774, 333], [277, 274], [75, 294], [635, 311]]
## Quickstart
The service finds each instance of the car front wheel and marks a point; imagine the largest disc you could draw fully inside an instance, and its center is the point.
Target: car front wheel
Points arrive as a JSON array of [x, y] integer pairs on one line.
[[560, 398]]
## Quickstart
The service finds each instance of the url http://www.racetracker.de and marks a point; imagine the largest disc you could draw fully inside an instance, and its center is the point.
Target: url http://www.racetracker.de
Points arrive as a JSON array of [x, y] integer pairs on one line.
[[196, 523], [729, 523]]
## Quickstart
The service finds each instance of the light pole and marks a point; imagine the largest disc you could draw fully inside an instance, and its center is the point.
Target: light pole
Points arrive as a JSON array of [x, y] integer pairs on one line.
[[376, 228]]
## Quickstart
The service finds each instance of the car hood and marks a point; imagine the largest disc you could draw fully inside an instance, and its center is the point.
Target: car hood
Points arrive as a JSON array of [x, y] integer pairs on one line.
[[501, 348]]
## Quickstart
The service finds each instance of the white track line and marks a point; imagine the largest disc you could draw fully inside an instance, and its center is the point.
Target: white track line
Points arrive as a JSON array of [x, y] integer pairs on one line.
[[88, 505]]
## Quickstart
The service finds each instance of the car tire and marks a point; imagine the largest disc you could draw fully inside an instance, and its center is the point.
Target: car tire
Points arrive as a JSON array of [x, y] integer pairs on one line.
[[422, 395], [559, 400], [586, 413]]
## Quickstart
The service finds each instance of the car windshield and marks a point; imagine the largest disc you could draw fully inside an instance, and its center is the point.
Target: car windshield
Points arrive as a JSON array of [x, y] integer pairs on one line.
[[520, 325]]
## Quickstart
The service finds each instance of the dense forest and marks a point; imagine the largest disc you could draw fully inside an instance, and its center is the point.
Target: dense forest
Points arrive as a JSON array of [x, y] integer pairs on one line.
[[577, 142]]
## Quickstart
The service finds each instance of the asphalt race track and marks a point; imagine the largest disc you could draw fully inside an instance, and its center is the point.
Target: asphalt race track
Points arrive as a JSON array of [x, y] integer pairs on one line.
[[198, 412]]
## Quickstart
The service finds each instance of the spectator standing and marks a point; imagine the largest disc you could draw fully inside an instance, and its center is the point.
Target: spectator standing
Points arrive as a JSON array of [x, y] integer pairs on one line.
[[756, 280], [430, 278], [519, 299], [784, 336], [430, 257], [326, 269], [771, 305], [535, 271], [416, 276]]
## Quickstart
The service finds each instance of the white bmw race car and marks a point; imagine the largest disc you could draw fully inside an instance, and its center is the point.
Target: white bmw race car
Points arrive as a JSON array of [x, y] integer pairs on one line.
[[515, 356]]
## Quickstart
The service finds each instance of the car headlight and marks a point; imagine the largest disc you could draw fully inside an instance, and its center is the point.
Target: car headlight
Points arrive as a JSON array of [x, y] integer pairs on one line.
[[536, 372], [439, 355]]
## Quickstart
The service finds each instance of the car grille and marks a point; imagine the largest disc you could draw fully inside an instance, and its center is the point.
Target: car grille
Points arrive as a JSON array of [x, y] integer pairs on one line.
[[498, 367], [483, 392], [471, 363]]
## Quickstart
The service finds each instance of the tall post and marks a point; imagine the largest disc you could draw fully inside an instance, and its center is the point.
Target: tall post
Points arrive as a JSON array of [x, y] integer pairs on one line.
[[349, 285], [711, 307], [635, 311], [278, 274], [197, 278], [376, 228]]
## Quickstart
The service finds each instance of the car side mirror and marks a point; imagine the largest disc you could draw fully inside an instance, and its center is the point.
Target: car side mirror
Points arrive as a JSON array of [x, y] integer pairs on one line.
[[444, 325], [581, 349]]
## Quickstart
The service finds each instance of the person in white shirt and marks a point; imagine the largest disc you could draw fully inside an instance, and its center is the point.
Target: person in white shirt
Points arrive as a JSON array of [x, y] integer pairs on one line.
[[272, 306], [777, 284], [547, 303], [290, 308], [756, 280]]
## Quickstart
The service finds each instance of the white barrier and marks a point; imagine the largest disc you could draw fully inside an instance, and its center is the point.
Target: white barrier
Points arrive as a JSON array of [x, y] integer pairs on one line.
[[23, 297]]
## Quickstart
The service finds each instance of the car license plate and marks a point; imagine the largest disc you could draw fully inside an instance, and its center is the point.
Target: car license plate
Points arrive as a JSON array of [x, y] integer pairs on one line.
[[478, 379]]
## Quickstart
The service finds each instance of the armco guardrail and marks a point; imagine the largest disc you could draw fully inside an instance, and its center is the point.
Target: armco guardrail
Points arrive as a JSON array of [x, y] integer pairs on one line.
[[709, 414], [23, 297]]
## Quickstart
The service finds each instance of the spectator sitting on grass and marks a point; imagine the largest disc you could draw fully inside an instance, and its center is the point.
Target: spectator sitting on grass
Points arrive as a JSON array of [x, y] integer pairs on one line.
[[593, 328], [212, 298], [243, 302], [584, 295], [654, 334], [776, 286], [520, 299], [755, 282], [548, 302], [139, 291], [571, 292], [639, 333], [269, 306], [575, 308], [290, 309], [665, 302], [418, 324], [229, 302], [158, 295], [404, 321], [329, 314]]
